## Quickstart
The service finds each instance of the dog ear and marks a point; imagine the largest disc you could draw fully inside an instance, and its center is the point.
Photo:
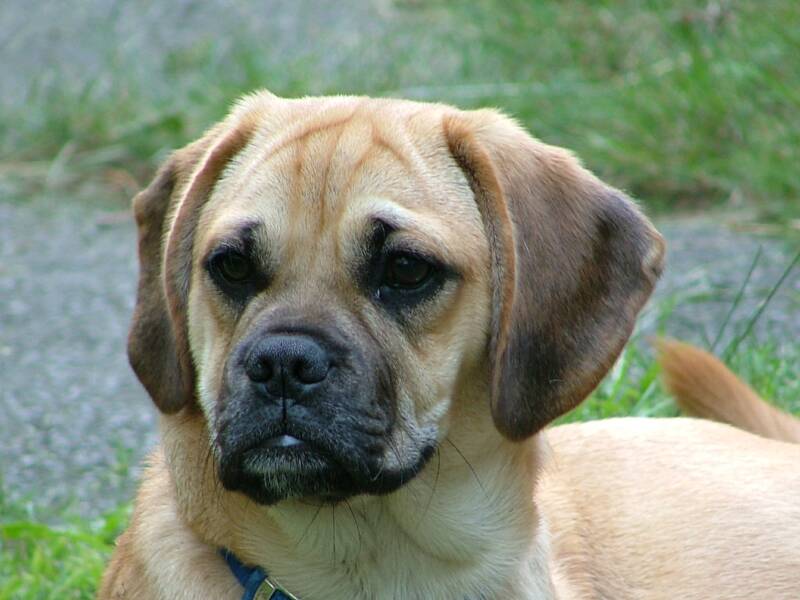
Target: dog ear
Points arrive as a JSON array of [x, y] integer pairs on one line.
[[573, 261], [166, 213]]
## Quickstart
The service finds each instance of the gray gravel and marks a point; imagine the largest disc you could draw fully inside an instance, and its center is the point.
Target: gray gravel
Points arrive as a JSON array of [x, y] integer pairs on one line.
[[73, 415], [707, 264], [72, 412]]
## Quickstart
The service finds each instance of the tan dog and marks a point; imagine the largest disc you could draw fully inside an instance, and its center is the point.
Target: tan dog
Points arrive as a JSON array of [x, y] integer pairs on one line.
[[356, 316]]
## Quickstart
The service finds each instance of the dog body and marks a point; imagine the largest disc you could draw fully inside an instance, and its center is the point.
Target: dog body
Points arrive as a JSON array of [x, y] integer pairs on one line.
[[664, 509], [357, 316]]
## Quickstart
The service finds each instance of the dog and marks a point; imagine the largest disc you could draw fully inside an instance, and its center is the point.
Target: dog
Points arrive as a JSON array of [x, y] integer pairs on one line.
[[357, 316]]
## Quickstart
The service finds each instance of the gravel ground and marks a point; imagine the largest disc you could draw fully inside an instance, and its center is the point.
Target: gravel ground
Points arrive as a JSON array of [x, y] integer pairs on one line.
[[74, 417], [73, 413], [80, 43]]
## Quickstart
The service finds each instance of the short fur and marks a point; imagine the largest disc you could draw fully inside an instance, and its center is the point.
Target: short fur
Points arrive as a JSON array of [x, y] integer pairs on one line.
[[437, 480]]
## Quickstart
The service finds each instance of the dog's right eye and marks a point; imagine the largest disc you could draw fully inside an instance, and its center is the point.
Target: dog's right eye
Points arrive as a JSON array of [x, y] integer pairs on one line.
[[235, 274], [234, 267]]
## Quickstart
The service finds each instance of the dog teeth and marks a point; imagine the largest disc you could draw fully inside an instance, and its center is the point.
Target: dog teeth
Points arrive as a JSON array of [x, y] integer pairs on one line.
[[282, 441]]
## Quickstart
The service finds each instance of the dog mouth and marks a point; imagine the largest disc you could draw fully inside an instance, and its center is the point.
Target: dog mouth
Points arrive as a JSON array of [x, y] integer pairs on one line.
[[277, 453], [285, 466]]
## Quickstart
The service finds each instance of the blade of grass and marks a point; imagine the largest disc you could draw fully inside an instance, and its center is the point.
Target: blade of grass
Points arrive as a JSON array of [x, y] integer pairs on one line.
[[737, 299], [732, 347]]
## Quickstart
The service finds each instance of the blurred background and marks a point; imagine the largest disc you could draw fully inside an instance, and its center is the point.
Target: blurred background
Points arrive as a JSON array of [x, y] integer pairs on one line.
[[692, 107]]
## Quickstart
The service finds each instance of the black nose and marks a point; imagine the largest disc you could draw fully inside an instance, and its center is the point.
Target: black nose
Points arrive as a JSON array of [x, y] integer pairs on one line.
[[287, 365]]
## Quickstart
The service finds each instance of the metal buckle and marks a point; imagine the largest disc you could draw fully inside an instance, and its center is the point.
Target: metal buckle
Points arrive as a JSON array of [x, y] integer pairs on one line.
[[268, 589]]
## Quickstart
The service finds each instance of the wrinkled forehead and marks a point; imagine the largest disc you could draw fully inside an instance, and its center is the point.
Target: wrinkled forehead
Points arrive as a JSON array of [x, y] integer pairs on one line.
[[327, 174]]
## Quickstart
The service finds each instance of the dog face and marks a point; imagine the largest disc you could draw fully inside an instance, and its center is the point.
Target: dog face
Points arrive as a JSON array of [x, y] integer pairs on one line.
[[329, 282]]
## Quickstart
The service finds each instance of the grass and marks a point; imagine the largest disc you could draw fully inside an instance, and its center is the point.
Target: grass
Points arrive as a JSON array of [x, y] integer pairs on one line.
[[682, 103], [40, 561], [633, 387]]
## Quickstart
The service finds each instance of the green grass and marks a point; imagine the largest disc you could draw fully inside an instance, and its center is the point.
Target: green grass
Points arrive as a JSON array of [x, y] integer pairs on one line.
[[633, 388], [682, 103], [40, 561]]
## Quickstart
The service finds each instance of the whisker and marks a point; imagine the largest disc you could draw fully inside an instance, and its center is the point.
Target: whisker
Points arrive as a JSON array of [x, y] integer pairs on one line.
[[433, 488], [474, 474], [355, 522], [380, 470], [391, 445], [308, 527], [333, 523]]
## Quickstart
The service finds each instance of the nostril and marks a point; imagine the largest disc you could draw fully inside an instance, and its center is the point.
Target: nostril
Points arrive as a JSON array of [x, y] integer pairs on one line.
[[310, 371], [259, 371]]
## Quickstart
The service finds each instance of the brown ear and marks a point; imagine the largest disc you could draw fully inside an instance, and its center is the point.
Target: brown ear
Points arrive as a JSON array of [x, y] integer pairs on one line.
[[158, 347], [573, 261]]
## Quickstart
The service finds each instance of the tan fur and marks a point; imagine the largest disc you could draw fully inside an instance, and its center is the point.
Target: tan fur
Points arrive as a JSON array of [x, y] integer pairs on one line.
[[553, 266], [704, 387], [672, 508]]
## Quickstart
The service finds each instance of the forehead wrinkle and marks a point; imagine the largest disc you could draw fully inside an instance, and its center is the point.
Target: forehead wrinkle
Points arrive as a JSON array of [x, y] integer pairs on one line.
[[303, 130], [412, 165], [383, 142], [324, 184], [294, 132], [294, 210], [402, 147]]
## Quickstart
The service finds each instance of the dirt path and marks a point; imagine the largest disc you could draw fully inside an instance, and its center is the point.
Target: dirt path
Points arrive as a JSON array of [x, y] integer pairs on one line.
[[73, 416]]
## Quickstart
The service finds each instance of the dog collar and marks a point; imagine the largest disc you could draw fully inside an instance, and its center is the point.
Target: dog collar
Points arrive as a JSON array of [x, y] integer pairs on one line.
[[257, 585]]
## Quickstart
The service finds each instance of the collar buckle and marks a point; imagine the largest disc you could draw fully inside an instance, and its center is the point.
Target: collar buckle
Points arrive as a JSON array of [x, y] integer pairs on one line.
[[270, 590]]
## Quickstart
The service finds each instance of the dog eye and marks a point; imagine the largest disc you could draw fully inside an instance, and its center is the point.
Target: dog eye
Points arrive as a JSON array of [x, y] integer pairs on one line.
[[406, 272], [234, 267]]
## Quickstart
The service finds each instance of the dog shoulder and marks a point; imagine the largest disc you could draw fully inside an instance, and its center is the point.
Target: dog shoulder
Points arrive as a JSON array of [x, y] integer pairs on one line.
[[159, 557], [126, 575]]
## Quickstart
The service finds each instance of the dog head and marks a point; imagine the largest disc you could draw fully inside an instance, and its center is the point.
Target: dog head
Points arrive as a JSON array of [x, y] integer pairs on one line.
[[326, 281]]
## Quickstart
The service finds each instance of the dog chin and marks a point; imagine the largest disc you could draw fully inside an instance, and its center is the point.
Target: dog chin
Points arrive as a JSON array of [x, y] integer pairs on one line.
[[270, 474]]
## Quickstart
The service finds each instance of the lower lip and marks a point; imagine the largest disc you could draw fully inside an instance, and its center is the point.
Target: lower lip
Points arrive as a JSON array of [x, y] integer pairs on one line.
[[283, 441]]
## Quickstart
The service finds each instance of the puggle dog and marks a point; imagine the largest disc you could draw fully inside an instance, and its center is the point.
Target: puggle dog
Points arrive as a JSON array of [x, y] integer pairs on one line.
[[356, 316]]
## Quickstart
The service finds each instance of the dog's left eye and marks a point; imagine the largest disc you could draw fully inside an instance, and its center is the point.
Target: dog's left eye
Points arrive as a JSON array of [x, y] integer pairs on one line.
[[404, 271]]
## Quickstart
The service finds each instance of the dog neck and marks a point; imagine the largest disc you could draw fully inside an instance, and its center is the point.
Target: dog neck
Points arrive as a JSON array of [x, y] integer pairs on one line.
[[465, 527]]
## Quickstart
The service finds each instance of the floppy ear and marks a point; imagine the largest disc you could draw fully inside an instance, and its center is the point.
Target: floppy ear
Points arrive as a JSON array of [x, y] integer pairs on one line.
[[573, 261], [158, 347]]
